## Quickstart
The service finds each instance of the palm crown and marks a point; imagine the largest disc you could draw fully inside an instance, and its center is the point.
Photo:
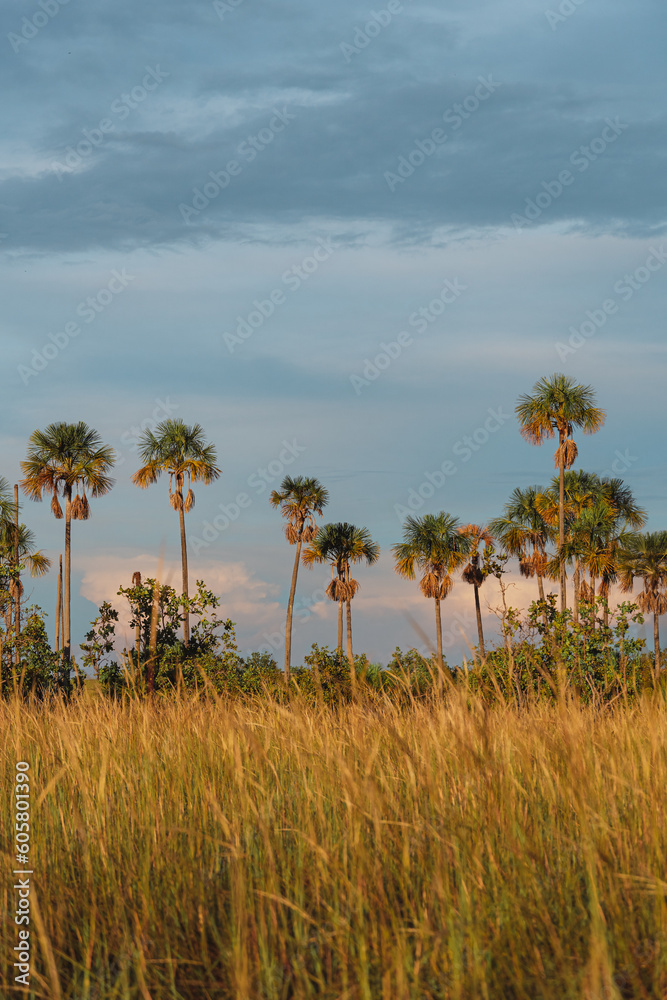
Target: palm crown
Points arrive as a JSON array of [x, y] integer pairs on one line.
[[65, 458], [182, 453], [300, 499]]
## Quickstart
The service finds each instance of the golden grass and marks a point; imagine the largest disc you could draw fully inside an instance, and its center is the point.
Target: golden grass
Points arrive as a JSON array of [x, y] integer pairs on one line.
[[188, 850]]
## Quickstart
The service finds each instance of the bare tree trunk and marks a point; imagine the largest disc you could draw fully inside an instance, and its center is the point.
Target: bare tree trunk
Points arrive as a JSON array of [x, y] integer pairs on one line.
[[540, 587], [184, 563], [67, 641], [340, 626], [17, 580], [656, 646], [482, 651], [577, 589], [561, 522], [438, 634], [150, 666], [350, 654], [290, 609], [59, 609]]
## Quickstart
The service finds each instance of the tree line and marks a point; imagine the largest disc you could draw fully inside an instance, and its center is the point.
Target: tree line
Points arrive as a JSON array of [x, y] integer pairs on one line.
[[579, 520]]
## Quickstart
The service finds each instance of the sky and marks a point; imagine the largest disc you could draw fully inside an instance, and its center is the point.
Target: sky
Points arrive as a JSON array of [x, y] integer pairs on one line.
[[344, 239]]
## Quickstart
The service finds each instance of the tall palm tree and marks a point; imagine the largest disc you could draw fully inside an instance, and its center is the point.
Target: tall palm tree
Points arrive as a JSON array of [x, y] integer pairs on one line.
[[181, 452], [62, 460], [473, 573], [341, 545], [523, 532], [299, 499], [599, 512], [557, 406], [434, 546], [645, 556]]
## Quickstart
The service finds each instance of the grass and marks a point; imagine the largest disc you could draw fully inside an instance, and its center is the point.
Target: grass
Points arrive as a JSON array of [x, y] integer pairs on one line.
[[193, 849]]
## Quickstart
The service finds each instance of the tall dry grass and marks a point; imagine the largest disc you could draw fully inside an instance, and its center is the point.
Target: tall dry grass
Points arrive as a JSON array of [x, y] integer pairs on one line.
[[197, 849]]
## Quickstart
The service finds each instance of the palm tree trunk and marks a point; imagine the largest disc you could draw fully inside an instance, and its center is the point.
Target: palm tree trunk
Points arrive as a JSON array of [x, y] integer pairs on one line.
[[17, 579], [595, 610], [561, 520], [482, 651], [184, 563], [350, 654], [656, 646], [290, 609], [67, 582], [59, 607], [340, 626], [577, 589], [438, 634], [540, 587]]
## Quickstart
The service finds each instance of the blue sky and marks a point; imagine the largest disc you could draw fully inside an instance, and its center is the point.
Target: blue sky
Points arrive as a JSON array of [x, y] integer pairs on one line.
[[228, 212]]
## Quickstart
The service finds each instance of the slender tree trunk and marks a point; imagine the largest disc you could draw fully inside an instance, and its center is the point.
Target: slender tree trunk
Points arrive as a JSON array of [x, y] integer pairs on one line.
[[595, 610], [656, 646], [350, 654], [67, 581], [184, 562], [290, 609], [340, 626], [59, 608], [540, 587], [482, 651], [17, 579], [438, 634], [561, 521], [577, 589]]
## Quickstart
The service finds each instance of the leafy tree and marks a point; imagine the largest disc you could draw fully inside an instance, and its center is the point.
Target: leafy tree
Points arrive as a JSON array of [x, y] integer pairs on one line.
[[63, 460], [557, 406], [341, 545], [100, 639], [37, 669], [299, 499], [433, 546], [644, 557], [182, 453]]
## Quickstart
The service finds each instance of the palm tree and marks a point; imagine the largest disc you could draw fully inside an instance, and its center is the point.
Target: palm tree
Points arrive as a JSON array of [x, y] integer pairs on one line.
[[299, 499], [434, 545], [473, 572], [558, 405], [645, 556], [341, 545], [63, 460], [523, 532], [181, 452], [598, 514]]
